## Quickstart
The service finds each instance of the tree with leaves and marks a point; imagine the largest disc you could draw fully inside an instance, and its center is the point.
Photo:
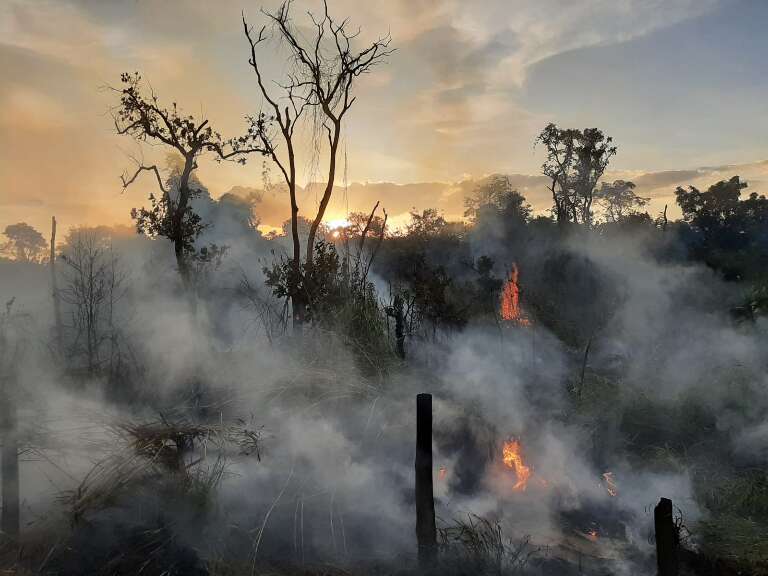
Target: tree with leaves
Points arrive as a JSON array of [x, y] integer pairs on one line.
[[25, 244], [141, 116], [576, 160], [619, 200], [324, 69], [497, 195], [729, 232]]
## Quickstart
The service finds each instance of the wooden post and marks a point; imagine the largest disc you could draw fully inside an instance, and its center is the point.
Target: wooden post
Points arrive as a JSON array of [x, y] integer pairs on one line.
[[9, 462], [55, 290], [426, 531], [666, 538]]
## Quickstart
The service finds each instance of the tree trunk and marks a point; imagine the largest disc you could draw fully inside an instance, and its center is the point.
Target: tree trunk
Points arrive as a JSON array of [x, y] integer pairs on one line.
[[178, 224], [299, 309], [426, 532], [399, 326], [334, 146], [10, 463]]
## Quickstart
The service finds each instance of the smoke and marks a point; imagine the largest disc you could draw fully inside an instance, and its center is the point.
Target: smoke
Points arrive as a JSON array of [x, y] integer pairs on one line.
[[333, 477]]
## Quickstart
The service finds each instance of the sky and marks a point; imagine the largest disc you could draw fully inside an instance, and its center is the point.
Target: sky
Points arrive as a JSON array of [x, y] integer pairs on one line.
[[679, 84]]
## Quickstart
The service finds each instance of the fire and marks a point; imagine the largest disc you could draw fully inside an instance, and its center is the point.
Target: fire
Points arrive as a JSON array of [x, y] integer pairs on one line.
[[510, 300], [513, 458], [592, 535], [442, 473], [610, 484]]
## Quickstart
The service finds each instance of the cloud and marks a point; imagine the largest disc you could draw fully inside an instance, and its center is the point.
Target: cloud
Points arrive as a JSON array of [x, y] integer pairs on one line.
[[446, 105]]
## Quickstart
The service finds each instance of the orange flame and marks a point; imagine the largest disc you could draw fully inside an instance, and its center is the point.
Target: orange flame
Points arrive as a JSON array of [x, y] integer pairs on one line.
[[510, 300], [610, 483], [513, 458], [592, 535]]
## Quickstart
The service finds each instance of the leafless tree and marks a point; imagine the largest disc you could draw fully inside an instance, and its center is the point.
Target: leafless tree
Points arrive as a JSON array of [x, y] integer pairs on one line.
[[94, 283], [321, 79], [140, 115]]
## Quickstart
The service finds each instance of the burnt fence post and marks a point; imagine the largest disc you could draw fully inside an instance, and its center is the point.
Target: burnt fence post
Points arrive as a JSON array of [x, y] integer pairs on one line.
[[666, 538], [9, 463], [426, 531]]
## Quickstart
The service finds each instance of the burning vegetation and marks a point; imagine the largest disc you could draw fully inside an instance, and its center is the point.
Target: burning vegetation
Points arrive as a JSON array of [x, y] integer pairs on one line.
[[512, 457], [324, 331], [510, 308]]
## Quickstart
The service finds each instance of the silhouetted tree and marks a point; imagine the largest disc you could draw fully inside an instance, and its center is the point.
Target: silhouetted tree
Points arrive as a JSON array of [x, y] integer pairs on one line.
[[619, 200], [730, 234], [324, 69], [93, 284], [25, 244], [496, 195], [140, 115], [576, 160]]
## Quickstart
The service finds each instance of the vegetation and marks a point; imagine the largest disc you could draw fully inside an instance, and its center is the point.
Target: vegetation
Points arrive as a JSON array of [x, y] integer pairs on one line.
[[555, 314]]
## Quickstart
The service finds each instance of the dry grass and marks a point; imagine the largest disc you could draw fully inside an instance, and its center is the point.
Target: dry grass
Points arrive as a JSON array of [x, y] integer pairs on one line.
[[479, 545]]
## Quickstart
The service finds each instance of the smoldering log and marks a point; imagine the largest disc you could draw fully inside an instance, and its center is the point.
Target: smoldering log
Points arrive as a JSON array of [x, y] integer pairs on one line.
[[426, 531], [666, 538]]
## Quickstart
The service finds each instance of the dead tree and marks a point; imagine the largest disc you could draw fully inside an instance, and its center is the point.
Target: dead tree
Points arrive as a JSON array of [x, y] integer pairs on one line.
[[94, 283], [140, 115], [324, 68], [426, 531]]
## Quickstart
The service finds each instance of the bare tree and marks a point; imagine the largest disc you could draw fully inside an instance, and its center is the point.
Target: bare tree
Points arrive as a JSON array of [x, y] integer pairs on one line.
[[576, 160], [140, 115], [94, 283], [324, 68]]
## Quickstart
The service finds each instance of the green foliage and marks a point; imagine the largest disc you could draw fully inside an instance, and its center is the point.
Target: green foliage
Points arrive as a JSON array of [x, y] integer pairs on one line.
[[576, 160], [619, 200], [495, 196], [339, 298], [730, 234]]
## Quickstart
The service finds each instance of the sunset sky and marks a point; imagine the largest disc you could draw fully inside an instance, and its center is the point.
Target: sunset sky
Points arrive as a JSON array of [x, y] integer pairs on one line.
[[680, 84]]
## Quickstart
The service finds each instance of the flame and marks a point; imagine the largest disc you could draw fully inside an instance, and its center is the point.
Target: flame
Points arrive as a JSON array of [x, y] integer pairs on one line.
[[513, 458], [442, 473], [592, 535], [510, 300], [610, 484]]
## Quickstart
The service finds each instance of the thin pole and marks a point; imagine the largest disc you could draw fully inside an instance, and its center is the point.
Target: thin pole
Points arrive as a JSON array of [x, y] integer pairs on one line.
[[666, 538], [426, 531]]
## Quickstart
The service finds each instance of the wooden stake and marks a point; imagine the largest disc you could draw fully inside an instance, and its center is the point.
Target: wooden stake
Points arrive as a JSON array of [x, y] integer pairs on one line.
[[55, 290], [426, 531], [666, 538], [9, 523]]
